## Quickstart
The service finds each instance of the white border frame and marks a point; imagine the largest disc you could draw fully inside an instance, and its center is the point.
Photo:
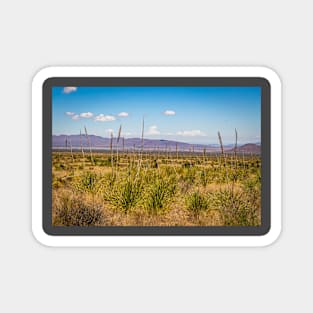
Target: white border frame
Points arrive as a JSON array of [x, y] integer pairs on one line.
[[156, 241]]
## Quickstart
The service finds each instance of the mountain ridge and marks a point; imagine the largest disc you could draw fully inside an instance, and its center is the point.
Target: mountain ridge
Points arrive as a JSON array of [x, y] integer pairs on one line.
[[98, 142]]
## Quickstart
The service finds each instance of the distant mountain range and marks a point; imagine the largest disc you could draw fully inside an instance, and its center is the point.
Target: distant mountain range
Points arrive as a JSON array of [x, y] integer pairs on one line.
[[98, 142], [249, 147]]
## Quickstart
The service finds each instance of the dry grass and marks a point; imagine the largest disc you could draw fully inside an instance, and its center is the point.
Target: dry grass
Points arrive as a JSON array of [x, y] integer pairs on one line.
[[138, 193]]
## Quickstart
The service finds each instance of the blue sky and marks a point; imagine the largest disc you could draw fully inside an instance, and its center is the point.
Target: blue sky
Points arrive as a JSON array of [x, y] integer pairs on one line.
[[188, 114]]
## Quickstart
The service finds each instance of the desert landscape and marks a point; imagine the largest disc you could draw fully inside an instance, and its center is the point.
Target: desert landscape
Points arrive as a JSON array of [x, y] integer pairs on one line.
[[142, 182], [156, 156]]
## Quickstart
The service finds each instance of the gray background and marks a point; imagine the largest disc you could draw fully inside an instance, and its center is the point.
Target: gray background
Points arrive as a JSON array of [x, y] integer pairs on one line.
[[35, 34]]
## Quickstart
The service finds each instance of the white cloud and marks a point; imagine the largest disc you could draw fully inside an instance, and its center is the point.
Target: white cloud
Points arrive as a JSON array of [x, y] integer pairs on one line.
[[75, 117], [169, 112], [122, 114], [104, 118], [70, 113], [110, 130], [153, 130], [69, 89], [86, 115], [191, 133]]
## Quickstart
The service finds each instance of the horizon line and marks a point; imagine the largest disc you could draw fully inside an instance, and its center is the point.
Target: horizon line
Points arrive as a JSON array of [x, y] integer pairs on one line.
[[173, 140]]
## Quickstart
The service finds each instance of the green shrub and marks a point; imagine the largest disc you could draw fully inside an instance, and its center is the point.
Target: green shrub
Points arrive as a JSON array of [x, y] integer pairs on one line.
[[125, 195], [197, 202], [159, 193], [236, 208], [89, 182], [189, 175]]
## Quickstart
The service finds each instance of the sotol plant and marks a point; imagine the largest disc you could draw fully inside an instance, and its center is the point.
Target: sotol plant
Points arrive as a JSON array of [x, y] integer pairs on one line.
[[126, 194], [196, 203], [89, 182], [159, 193]]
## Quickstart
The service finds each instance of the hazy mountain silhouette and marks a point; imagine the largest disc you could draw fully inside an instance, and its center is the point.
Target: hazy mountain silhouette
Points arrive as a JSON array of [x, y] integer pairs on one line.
[[98, 142]]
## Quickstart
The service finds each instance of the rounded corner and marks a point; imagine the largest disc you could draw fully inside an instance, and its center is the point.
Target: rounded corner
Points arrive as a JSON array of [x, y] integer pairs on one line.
[[42, 75], [272, 236], [41, 237], [270, 75]]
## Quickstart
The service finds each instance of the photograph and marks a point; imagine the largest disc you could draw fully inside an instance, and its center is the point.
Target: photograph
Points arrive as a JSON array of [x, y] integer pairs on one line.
[[156, 156]]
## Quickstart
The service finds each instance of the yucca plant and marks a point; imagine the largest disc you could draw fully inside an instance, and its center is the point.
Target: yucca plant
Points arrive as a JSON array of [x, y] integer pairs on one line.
[[159, 194], [124, 195], [88, 183], [196, 203]]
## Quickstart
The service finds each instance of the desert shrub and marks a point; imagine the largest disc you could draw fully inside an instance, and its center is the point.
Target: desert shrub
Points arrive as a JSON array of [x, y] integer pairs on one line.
[[252, 184], [187, 164], [184, 186], [88, 182], [221, 175], [57, 166], [159, 193], [57, 182], [124, 195], [105, 162], [197, 202], [63, 166], [129, 195], [252, 189], [189, 175], [148, 177], [193, 186], [205, 176], [236, 209], [77, 213], [169, 170]]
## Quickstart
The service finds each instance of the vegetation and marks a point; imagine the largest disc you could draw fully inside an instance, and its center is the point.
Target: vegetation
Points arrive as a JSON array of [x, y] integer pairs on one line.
[[77, 213], [197, 202], [119, 186]]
